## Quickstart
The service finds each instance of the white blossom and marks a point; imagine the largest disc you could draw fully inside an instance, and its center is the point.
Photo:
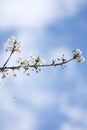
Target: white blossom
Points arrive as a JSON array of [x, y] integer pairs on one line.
[[40, 60], [37, 59], [23, 62], [32, 59], [80, 58], [77, 54], [13, 44]]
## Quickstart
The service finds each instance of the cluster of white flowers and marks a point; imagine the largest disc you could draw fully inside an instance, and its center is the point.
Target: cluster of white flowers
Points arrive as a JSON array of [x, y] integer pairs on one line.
[[4, 73], [13, 44], [37, 59], [31, 62], [77, 54], [24, 63]]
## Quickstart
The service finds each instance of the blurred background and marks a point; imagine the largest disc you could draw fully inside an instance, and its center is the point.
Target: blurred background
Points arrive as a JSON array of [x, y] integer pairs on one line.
[[55, 98]]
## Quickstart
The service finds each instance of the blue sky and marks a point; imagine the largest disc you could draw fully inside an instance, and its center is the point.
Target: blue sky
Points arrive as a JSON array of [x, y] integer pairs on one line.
[[55, 98]]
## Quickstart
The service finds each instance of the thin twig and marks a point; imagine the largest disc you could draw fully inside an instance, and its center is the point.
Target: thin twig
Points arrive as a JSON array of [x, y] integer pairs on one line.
[[9, 55], [33, 66]]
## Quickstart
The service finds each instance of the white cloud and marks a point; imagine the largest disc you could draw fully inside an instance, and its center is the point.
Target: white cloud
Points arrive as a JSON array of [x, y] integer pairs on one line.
[[28, 14], [68, 126]]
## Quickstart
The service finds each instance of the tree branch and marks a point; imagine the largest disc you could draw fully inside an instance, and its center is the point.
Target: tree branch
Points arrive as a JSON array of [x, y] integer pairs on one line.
[[36, 63], [10, 55], [39, 65]]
